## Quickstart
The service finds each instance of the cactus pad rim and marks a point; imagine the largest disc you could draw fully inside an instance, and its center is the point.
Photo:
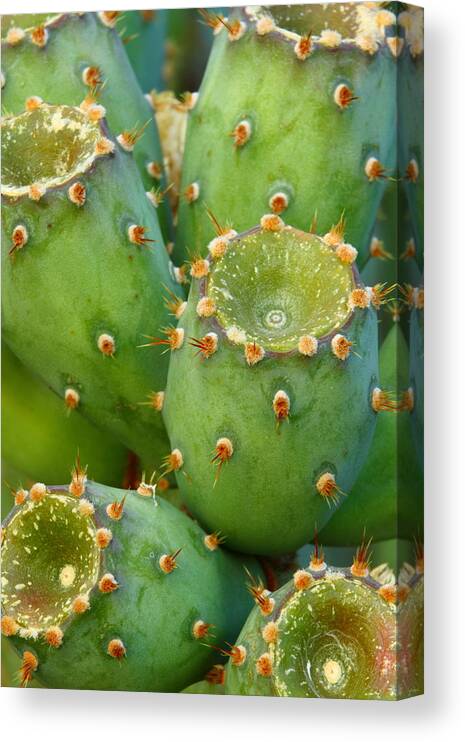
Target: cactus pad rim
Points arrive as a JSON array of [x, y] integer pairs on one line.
[[52, 21], [56, 530], [368, 33], [283, 337], [336, 655], [51, 122], [335, 633]]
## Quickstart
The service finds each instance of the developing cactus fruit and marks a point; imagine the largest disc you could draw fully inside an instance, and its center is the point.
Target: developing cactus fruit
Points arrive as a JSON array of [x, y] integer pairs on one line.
[[85, 272], [296, 114], [115, 590], [82, 61], [387, 496], [332, 634], [279, 343], [42, 432]]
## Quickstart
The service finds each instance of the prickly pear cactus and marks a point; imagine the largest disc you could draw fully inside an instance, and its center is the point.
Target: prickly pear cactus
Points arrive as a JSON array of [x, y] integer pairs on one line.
[[296, 113], [86, 270], [10, 666], [144, 37], [187, 47], [79, 59], [10, 477], [42, 432], [387, 498], [329, 633], [251, 418], [411, 135], [411, 629], [279, 343], [116, 590], [414, 393], [209, 687], [392, 249]]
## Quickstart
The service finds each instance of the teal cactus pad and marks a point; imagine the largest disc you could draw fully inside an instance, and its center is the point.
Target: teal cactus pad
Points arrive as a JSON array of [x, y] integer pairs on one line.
[[320, 135], [274, 423], [42, 434], [96, 604], [386, 500], [145, 34], [86, 271], [417, 381], [76, 44]]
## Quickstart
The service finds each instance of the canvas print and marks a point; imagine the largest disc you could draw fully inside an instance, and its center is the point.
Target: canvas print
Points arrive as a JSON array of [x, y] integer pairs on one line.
[[212, 350]]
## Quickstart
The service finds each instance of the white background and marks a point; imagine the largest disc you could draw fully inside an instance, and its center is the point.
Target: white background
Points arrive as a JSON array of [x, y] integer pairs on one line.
[[76, 716]]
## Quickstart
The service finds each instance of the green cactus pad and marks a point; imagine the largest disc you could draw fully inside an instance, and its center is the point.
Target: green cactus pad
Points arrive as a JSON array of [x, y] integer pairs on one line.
[[386, 500], [145, 31], [313, 123], [204, 687], [76, 42], [84, 270], [27, 21], [417, 381], [187, 47], [411, 640], [328, 634], [411, 122], [91, 593], [391, 262], [41, 435], [261, 424], [10, 476], [9, 667]]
